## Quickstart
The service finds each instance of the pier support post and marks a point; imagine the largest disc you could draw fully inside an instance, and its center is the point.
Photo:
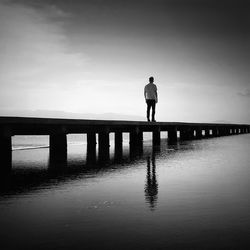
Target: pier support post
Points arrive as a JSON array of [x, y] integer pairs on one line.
[[215, 132], [91, 147], [187, 134], [103, 141], [58, 147], [221, 132], [184, 134], [198, 133], [207, 132], [118, 145], [6, 151], [233, 131], [226, 131], [157, 136], [140, 142], [136, 142], [172, 135]]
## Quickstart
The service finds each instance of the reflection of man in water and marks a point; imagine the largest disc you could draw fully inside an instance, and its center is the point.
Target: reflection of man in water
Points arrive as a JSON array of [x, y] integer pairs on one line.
[[150, 94], [151, 187]]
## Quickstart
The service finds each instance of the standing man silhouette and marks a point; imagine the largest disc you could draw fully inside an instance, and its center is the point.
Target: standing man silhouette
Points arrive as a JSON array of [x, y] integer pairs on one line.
[[151, 97]]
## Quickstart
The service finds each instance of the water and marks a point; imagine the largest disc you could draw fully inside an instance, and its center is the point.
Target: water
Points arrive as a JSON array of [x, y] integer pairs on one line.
[[193, 195]]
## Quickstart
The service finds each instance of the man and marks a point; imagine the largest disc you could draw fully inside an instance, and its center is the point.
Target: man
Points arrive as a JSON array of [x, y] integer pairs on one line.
[[150, 93]]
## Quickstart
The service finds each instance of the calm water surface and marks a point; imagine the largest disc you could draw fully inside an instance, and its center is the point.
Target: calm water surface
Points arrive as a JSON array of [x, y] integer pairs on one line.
[[193, 195]]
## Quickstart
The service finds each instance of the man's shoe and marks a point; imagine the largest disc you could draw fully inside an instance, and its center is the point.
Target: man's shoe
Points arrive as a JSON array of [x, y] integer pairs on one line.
[[148, 120], [153, 120]]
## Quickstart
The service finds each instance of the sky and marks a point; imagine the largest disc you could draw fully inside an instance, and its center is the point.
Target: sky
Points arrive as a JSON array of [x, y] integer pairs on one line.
[[95, 56]]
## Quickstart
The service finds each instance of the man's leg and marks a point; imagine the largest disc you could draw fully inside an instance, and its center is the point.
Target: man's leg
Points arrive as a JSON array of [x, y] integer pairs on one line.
[[153, 110], [148, 110]]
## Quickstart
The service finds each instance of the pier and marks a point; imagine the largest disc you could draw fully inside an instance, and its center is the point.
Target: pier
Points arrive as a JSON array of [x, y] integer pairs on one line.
[[57, 129]]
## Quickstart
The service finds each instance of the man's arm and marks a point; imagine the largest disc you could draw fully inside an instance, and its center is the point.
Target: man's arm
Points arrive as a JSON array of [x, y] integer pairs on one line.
[[156, 95], [145, 93]]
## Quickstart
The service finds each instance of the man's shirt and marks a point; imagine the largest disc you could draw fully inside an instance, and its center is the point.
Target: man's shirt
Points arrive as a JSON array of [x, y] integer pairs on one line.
[[150, 91]]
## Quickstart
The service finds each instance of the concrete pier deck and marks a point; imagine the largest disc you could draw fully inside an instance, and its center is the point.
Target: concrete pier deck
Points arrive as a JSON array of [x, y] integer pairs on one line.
[[57, 129]]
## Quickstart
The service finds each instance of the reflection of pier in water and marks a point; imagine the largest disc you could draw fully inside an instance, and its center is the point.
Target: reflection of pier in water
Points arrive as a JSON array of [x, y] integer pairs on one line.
[[24, 180], [58, 129]]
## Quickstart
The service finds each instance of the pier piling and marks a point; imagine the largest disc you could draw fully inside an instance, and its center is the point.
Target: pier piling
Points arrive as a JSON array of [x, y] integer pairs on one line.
[[118, 145], [184, 134], [198, 133], [140, 142], [187, 133], [91, 147], [207, 133], [215, 132], [5, 150], [135, 142], [172, 135], [157, 136], [103, 141], [58, 148]]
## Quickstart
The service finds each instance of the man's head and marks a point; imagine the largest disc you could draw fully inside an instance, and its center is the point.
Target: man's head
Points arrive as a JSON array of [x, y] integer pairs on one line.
[[151, 79]]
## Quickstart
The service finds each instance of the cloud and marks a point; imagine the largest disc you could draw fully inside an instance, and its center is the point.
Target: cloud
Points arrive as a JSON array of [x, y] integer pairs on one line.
[[246, 93], [34, 52]]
